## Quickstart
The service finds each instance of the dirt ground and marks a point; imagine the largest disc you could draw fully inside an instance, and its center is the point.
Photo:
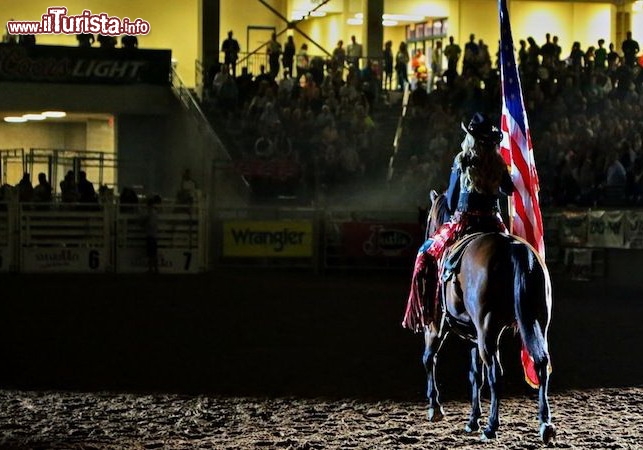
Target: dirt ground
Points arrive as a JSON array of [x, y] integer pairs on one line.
[[244, 359], [594, 419]]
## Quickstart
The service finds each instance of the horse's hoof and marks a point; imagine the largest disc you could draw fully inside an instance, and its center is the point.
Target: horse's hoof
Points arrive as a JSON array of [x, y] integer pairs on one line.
[[435, 414], [547, 433], [471, 426], [487, 434]]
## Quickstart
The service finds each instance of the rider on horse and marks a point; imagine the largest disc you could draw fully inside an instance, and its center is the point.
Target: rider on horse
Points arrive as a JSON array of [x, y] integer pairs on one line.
[[478, 176]]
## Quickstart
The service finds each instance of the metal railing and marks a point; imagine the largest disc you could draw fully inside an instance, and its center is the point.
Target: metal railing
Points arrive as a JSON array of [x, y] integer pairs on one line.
[[101, 237]]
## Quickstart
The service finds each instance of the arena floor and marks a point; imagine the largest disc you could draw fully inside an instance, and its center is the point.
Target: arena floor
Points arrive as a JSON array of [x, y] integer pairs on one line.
[[275, 359]]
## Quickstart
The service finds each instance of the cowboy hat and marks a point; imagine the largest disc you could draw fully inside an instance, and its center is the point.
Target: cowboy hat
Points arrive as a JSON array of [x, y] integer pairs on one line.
[[481, 128]]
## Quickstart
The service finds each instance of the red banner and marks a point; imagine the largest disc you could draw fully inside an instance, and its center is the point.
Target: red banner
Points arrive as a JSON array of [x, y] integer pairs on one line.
[[381, 240]]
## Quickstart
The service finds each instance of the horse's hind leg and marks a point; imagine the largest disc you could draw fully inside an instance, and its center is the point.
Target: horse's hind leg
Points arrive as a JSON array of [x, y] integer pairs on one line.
[[432, 343], [488, 347], [476, 380], [547, 429]]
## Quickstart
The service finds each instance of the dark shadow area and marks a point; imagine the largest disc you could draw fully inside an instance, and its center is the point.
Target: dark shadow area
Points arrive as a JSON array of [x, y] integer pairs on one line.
[[279, 333]]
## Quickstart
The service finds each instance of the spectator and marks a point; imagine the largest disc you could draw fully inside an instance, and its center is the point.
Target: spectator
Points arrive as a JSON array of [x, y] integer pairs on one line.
[[289, 54], [86, 191], [339, 57], [68, 190], [42, 192], [274, 52], [303, 61], [387, 57], [630, 49], [401, 66], [151, 225], [128, 200], [85, 39], [27, 40], [230, 48], [354, 52], [600, 57], [106, 41], [187, 190], [129, 41], [470, 55], [548, 53], [452, 53], [8, 38], [25, 189]]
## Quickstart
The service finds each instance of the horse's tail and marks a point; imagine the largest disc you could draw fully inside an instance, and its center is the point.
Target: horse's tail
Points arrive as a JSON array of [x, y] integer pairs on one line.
[[532, 303]]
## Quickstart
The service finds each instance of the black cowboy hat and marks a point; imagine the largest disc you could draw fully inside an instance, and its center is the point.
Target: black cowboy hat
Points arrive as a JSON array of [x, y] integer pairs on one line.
[[481, 128]]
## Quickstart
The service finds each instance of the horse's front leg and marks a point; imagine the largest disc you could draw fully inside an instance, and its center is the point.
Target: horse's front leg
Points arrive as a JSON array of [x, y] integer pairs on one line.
[[547, 429], [432, 343], [476, 379]]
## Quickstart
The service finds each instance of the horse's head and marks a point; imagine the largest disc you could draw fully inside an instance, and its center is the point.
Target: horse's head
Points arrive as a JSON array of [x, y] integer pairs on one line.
[[438, 214]]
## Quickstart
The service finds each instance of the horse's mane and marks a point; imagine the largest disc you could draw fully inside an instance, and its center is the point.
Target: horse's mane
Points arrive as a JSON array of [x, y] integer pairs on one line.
[[438, 214]]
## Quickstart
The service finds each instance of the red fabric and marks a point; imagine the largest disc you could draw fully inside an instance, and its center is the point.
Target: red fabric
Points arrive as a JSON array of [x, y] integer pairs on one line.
[[415, 315], [528, 366]]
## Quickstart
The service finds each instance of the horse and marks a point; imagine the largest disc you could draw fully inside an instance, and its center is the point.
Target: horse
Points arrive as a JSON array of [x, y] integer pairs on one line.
[[501, 283]]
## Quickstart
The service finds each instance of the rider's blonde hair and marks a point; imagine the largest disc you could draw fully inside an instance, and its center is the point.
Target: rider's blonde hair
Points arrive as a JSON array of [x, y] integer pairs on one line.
[[482, 166]]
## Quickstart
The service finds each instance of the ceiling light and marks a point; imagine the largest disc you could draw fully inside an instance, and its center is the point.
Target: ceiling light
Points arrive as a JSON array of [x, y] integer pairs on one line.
[[34, 116], [389, 23], [403, 17], [396, 17], [13, 119], [55, 114]]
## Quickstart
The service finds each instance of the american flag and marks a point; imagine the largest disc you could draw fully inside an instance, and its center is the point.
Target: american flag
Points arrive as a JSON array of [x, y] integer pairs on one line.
[[516, 147]]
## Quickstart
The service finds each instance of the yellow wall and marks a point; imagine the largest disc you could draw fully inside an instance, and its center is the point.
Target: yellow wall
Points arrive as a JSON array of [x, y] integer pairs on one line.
[[91, 135], [480, 17], [582, 22], [174, 27], [637, 25], [237, 15]]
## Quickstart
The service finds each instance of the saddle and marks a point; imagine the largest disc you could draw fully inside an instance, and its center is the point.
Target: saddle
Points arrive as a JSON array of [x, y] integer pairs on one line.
[[449, 267], [453, 256]]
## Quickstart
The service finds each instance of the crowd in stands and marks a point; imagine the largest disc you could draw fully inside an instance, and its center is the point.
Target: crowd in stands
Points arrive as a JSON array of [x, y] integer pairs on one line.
[[585, 113], [299, 136], [316, 130]]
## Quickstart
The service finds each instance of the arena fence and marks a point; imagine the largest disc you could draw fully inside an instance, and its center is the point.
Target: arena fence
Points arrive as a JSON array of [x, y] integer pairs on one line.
[[99, 238], [578, 242], [111, 237]]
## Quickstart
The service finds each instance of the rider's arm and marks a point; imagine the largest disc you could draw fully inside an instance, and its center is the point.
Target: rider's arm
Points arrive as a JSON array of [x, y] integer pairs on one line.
[[453, 192]]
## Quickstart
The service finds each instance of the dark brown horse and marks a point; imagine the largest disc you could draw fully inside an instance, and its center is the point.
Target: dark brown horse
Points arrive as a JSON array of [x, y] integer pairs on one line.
[[501, 283]]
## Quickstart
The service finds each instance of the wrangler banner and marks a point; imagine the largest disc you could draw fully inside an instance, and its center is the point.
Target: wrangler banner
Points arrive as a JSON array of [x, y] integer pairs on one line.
[[605, 229], [277, 239]]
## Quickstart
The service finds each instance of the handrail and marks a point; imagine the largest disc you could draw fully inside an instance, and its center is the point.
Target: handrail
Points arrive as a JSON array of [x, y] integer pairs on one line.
[[221, 154], [398, 132]]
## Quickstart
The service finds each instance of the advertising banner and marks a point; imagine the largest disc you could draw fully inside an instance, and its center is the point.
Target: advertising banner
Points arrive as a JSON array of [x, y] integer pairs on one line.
[[381, 240], [573, 228], [633, 224], [170, 260], [58, 64], [275, 239], [65, 259], [605, 229], [579, 263]]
